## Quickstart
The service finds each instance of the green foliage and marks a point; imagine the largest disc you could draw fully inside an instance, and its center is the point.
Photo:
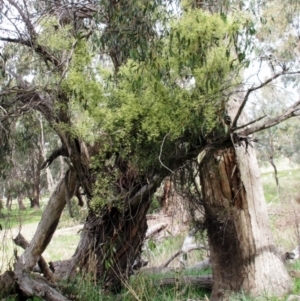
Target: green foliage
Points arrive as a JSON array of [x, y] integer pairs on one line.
[[85, 93], [172, 96], [55, 38], [140, 287], [16, 217], [156, 98]]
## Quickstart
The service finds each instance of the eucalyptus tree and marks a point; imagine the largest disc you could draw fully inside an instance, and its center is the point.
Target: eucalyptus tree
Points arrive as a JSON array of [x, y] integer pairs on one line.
[[164, 99], [52, 41], [23, 157]]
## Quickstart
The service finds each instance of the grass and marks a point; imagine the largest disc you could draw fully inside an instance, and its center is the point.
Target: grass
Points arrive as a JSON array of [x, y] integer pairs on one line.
[[144, 287], [288, 185], [17, 217]]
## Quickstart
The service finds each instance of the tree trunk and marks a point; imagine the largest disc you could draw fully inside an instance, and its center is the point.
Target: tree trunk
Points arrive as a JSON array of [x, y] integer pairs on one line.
[[36, 171], [42, 150], [8, 201], [110, 243], [243, 254], [20, 201]]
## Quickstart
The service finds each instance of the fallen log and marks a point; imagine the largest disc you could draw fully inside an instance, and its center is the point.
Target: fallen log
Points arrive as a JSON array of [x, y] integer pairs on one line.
[[35, 285], [200, 281], [62, 269], [21, 241], [182, 251], [200, 265], [155, 230], [163, 269], [31, 284]]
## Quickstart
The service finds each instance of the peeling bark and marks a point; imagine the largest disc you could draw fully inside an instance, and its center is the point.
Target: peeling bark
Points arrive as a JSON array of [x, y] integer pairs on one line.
[[243, 254]]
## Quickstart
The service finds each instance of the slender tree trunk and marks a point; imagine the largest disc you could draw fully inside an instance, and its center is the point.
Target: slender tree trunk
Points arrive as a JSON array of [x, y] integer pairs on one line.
[[50, 181], [243, 254], [8, 201], [20, 201], [36, 171], [62, 167]]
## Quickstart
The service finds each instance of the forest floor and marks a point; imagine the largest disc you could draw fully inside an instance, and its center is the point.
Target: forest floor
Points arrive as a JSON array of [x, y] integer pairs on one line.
[[283, 206]]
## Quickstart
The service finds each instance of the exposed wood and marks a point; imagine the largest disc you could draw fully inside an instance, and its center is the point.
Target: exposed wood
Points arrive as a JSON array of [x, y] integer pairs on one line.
[[47, 225], [35, 285], [31, 284], [155, 230], [200, 265], [20, 241], [243, 254], [61, 269], [199, 281]]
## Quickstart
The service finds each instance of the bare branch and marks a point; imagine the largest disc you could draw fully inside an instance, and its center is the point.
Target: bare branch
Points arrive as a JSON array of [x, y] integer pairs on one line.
[[266, 82], [25, 19], [251, 122], [135, 200], [290, 112], [62, 151], [39, 49]]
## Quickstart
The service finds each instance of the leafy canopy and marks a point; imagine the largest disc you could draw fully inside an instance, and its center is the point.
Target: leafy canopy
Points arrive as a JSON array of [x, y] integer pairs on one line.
[[175, 96]]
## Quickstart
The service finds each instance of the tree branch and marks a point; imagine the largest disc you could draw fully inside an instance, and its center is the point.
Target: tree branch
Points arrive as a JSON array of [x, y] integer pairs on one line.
[[39, 49], [251, 122], [135, 200], [266, 82], [290, 112], [20, 241], [62, 151]]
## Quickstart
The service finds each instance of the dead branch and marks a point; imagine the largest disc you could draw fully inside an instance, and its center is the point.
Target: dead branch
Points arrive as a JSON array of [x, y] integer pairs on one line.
[[187, 250], [200, 281], [39, 49], [266, 82], [155, 230], [163, 269], [62, 151], [38, 286], [166, 263], [35, 285], [20, 241], [290, 112], [200, 265], [251, 122]]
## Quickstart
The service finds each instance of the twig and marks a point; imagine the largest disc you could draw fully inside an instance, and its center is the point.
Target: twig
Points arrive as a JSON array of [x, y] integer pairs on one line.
[[283, 72], [251, 122], [290, 112], [159, 157]]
